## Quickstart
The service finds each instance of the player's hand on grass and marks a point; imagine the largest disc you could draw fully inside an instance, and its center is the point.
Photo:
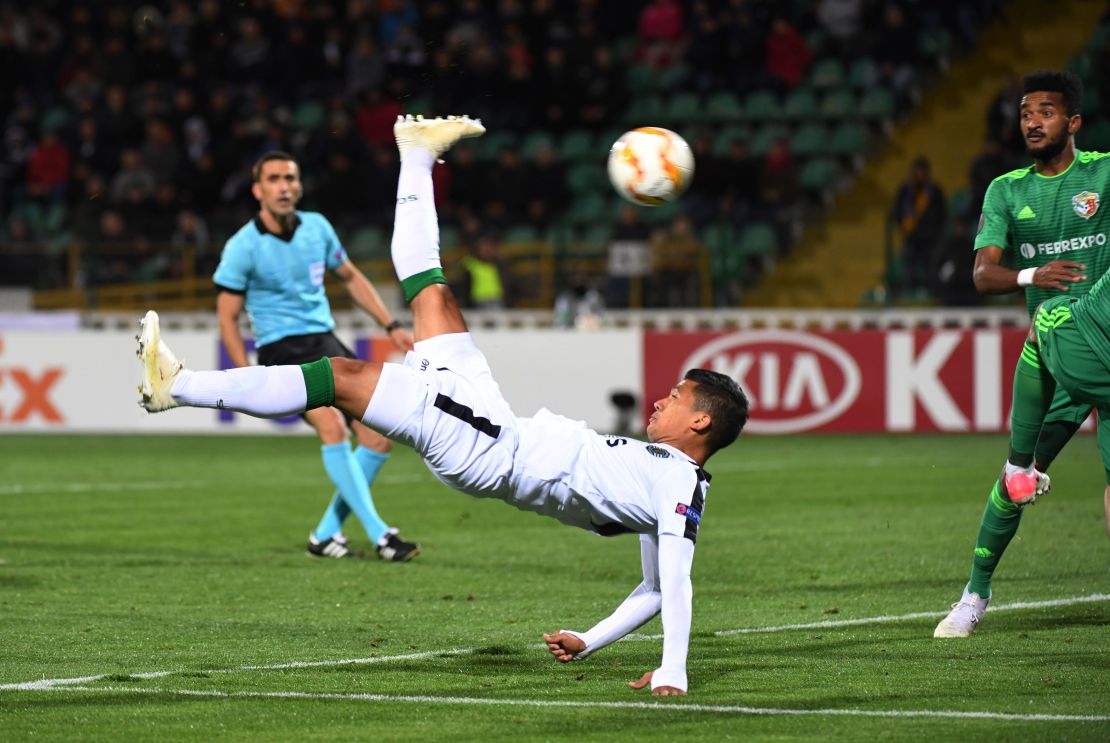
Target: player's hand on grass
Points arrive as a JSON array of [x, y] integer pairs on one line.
[[1058, 275], [660, 691], [563, 645]]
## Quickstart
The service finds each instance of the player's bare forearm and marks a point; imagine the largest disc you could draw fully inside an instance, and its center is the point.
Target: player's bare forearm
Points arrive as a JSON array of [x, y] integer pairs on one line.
[[991, 277], [366, 296], [228, 307]]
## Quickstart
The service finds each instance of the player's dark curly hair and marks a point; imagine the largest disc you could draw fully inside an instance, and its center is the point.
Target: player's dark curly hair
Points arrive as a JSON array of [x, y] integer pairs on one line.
[[721, 397], [256, 169], [1056, 81]]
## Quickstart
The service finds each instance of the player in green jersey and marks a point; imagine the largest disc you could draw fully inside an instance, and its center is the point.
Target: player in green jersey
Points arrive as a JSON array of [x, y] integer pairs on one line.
[[1047, 220]]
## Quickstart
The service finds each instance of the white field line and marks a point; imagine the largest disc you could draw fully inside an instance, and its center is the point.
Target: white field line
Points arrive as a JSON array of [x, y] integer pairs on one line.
[[675, 707], [42, 684], [1092, 598], [99, 487]]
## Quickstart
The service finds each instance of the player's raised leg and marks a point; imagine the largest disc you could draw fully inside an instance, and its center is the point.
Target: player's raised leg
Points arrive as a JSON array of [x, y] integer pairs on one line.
[[415, 244]]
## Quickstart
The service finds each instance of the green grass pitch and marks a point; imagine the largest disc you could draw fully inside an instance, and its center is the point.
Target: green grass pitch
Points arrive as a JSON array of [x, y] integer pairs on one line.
[[171, 572]]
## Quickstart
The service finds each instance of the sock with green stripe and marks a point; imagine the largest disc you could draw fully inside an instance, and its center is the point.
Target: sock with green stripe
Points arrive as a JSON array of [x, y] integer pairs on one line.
[[415, 244], [1033, 390], [999, 525]]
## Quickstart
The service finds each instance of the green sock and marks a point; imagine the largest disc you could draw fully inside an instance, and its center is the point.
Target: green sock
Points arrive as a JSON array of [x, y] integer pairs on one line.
[[319, 384], [1000, 523], [1033, 389], [413, 284]]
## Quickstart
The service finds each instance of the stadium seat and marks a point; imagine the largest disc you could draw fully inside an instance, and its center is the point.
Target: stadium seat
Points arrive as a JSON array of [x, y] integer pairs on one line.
[[758, 239], [644, 109], [863, 74], [520, 233], [641, 80], [762, 106], [490, 145], [726, 262], [722, 143], [1095, 136], [660, 215], [307, 116], [817, 175], [1080, 64], [367, 243], [576, 144], [935, 42], [800, 104], [848, 140], [449, 237], [587, 208], [1092, 102], [838, 104], [766, 137], [585, 178], [533, 143], [877, 104], [592, 241], [810, 139], [723, 107], [683, 108], [1099, 38], [827, 73]]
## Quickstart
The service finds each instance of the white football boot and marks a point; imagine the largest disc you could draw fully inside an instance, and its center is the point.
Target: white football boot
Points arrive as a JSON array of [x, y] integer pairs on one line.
[[160, 367], [964, 617], [434, 135]]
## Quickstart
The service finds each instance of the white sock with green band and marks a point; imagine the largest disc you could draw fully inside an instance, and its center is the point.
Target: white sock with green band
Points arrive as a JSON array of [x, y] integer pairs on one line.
[[415, 244]]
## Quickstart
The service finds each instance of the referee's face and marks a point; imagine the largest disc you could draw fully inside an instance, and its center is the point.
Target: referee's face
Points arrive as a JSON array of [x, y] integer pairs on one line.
[[278, 187]]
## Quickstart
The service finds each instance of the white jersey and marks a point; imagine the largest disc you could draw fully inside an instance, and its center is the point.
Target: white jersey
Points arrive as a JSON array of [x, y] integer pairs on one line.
[[606, 484]]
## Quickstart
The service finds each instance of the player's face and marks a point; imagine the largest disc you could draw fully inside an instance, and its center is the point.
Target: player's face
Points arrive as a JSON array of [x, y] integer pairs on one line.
[[1045, 124], [278, 187], [674, 414]]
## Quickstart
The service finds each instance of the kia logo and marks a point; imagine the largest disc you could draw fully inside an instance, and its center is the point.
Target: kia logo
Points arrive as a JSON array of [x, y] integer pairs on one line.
[[796, 381]]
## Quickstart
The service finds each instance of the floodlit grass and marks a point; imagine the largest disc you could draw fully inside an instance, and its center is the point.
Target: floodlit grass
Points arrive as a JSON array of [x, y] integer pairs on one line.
[[163, 565]]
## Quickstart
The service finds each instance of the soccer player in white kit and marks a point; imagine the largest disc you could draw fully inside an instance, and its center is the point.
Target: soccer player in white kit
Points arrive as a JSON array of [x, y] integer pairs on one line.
[[444, 402]]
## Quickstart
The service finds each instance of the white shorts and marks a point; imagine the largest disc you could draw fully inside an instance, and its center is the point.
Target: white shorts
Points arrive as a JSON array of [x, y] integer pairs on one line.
[[443, 402]]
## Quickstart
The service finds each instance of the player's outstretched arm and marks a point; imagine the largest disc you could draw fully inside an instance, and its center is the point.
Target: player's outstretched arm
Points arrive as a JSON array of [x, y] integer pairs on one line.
[[676, 556], [640, 606]]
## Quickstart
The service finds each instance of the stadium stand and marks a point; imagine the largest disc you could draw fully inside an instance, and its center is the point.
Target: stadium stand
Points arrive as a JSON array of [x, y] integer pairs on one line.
[[131, 128]]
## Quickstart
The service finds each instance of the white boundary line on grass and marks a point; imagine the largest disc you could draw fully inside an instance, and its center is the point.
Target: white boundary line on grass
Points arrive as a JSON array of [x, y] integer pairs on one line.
[[1092, 598], [678, 707], [43, 684]]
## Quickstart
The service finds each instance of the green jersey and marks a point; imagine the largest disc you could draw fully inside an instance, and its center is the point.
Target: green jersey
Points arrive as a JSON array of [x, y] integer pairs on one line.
[[1092, 318], [1036, 219]]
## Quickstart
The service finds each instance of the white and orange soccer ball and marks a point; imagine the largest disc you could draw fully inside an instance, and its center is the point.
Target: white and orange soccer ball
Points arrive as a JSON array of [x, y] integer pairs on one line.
[[651, 166]]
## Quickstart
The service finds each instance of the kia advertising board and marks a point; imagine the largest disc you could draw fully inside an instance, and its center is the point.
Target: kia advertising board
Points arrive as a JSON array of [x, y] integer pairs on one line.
[[851, 381]]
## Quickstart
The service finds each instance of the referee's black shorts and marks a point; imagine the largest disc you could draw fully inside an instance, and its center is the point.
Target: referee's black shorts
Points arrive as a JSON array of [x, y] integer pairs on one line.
[[302, 349]]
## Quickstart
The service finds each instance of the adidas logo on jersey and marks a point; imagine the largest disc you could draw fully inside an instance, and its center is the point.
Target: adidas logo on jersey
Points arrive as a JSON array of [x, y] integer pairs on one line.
[[1026, 213]]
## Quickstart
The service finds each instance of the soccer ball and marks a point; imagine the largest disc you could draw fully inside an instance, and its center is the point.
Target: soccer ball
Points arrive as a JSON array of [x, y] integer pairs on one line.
[[650, 166]]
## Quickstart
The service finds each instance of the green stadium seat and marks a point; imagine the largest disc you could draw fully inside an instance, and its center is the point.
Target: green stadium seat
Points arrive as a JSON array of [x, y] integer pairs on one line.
[[307, 116], [877, 104], [723, 107], [592, 241], [1099, 38], [577, 144], [489, 146], [1080, 64], [644, 110], [848, 140], [419, 106], [766, 137], [683, 108], [838, 104], [449, 237], [958, 202], [935, 42], [587, 208], [641, 80], [533, 143], [1092, 103], [726, 262], [722, 142], [809, 139], [367, 243], [586, 178], [800, 104], [758, 239], [863, 73], [762, 106], [827, 73], [660, 215], [521, 233], [1095, 136], [818, 175]]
